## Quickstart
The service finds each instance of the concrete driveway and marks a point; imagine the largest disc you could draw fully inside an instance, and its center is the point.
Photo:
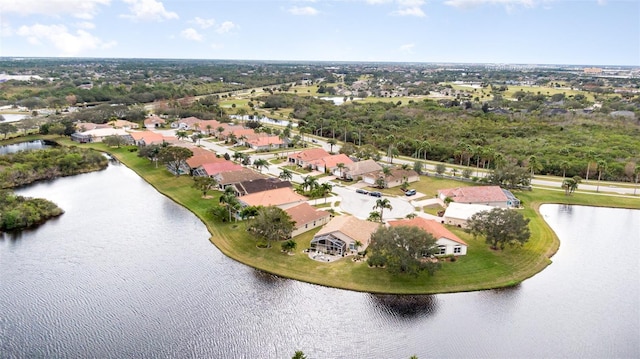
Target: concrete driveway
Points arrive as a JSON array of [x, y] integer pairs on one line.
[[360, 205]]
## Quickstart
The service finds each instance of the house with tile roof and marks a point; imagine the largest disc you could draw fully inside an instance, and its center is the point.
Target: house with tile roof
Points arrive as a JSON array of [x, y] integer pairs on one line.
[[307, 157], [339, 236], [356, 170], [447, 242], [265, 143], [200, 157], [250, 186], [226, 179], [457, 214], [488, 195], [211, 169], [395, 178], [145, 138], [281, 197], [329, 163], [153, 121], [306, 218]]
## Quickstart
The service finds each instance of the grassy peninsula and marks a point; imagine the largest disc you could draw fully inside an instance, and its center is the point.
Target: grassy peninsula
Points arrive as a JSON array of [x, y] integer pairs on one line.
[[480, 269]]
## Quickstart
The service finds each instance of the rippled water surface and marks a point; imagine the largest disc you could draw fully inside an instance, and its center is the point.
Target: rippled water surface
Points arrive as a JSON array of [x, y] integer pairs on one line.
[[126, 272]]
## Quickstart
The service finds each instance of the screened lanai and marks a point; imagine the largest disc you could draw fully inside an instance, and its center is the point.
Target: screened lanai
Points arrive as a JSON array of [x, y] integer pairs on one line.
[[329, 244]]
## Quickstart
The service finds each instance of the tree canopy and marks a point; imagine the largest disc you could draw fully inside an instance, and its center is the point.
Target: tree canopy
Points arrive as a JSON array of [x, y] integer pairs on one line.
[[500, 227], [403, 249], [272, 223], [174, 157]]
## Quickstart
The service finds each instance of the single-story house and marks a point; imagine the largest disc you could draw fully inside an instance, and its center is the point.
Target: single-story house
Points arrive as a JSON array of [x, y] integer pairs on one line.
[[393, 179], [265, 143], [145, 138], [307, 157], [281, 197], [211, 169], [127, 125], [246, 187], [153, 121], [457, 214], [202, 156], [306, 218], [355, 171], [226, 179], [329, 163], [447, 242], [98, 134], [339, 236], [488, 195], [185, 123]]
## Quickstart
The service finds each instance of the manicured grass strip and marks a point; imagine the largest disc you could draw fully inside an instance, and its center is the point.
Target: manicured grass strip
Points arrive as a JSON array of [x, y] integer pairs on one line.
[[482, 268]]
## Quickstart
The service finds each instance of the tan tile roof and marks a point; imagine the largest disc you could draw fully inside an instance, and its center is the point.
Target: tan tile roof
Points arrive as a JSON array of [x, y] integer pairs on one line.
[[475, 194], [244, 174], [305, 213], [149, 137], [332, 161], [201, 156], [153, 119], [274, 197], [266, 140], [213, 168], [362, 167], [355, 228], [430, 226], [397, 174]]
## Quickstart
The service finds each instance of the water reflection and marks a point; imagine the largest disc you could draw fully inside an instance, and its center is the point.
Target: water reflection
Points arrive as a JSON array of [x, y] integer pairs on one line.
[[406, 306], [25, 146]]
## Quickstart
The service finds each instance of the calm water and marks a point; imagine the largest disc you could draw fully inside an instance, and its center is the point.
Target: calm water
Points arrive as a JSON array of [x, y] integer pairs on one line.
[[24, 146], [125, 272]]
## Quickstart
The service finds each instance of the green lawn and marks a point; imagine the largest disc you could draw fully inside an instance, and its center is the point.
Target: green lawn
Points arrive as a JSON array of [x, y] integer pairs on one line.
[[481, 268]]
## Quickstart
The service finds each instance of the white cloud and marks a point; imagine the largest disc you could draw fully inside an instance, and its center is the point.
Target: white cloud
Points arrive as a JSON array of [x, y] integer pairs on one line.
[[506, 3], [226, 27], [85, 25], [70, 44], [191, 34], [5, 29], [407, 48], [409, 11], [83, 9], [307, 10], [148, 10], [203, 23]]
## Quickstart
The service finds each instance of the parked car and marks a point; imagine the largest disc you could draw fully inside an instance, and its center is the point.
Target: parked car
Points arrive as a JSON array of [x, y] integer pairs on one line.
[[410, 192], [375, 194], [363, 191]]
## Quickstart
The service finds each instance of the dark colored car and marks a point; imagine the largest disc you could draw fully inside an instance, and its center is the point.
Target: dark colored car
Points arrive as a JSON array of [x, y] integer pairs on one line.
[[375, 194], [363, 191]]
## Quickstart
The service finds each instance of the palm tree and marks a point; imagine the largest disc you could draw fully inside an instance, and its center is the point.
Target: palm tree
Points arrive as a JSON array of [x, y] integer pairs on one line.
[[374, 216], [220, 130], [636, 172], [260, 163], [181, 134], [591, 156], [602, 167], [564, 165], [534, 164], [341, 167], [326, 188], [309, 182], [286, 174], [332, 142], [382, 204], [209, 127], [229, 200], [570, 184]]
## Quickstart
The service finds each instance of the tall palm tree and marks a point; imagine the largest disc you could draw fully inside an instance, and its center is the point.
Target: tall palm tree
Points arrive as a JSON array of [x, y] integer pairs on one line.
[[230, 201], [260, 163], [286, 174], [382, 204], [602, 167], [326, 188], [332, 142], [591, 156], [341, 167], [309, 182], [564, 165]]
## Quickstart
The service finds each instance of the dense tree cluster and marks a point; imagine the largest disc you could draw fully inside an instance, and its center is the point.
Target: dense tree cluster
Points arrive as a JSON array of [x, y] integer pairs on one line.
[[272, 224], [500, 227], [18, 212], [21, 168], [403, 249]]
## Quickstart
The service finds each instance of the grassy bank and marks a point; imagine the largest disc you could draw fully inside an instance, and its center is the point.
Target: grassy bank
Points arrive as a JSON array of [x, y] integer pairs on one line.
[[482, 268]]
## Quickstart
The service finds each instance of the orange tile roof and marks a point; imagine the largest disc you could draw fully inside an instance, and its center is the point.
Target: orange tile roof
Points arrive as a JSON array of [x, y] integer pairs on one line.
[[266, 140], [310, 154], [430, 226], [305, 213], [201, 157], [149, 137], [213, 168], [274, 197]]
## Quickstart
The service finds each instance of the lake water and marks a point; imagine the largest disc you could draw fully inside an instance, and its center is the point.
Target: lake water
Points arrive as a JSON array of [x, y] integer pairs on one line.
[[25, 146], [126, 272], [12, 117]]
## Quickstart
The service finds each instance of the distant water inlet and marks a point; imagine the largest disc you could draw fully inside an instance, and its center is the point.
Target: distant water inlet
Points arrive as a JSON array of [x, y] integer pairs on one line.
[[25, 146], [126, 272]]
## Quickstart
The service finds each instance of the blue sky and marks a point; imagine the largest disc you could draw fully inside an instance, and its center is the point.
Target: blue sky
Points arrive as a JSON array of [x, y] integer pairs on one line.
[[589, 32]]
